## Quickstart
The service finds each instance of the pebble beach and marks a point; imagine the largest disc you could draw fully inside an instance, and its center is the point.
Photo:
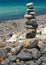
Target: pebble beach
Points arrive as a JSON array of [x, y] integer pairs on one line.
[[22, 35], [24, 51]]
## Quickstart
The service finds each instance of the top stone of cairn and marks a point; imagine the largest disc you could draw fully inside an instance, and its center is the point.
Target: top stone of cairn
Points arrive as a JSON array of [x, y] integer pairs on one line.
[[29, 4]]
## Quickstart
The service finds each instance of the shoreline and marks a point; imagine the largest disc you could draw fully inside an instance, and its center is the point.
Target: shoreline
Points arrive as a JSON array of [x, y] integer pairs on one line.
[[15, 25], [40, 18], [14, 17]]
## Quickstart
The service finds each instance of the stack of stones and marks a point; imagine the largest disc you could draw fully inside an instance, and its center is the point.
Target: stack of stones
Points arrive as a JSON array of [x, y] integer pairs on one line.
[[31, 23]]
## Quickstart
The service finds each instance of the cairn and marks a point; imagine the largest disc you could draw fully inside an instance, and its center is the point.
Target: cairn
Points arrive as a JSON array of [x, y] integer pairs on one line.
[[31, 23]]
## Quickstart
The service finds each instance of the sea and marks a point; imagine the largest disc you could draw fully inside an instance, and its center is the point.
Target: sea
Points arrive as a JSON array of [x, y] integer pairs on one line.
[[12, 9]]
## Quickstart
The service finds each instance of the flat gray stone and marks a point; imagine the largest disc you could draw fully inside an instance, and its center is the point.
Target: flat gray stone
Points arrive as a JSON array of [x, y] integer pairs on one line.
[[43, 59], [24, 56], [36, 53], [3, 53], [12, 58]]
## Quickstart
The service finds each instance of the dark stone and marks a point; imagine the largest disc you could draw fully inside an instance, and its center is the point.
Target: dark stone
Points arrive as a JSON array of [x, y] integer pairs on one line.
[[31, 35], [24, 56], [30, 10], [3, 53], [10, 34], [32, 22]]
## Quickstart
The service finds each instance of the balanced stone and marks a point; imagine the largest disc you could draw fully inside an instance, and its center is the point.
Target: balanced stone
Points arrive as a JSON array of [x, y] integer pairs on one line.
[[28, 16], [30, 10], [29, 26], [32, 22], [30, 43], [30, 7], [32, 13], [29, 4]]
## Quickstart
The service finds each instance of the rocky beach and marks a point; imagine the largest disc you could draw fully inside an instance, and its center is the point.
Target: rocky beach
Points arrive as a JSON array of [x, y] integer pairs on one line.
[[15, 47]]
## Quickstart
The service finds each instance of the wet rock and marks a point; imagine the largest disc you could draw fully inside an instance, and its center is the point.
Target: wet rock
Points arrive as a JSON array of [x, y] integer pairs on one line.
[[24, 56]]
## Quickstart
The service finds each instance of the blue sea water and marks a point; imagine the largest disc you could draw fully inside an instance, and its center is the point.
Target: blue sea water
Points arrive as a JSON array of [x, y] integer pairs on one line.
[[11, 9]]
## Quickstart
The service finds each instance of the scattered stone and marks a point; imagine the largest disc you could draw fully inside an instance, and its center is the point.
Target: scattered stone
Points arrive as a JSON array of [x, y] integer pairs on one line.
[[16, 50], [41, 44], [43, 50], [43, 64], [8, 48], [3, 53], [36, 53], [24, 56], [18, 63], [31, 63], [1, 42], [43, 59], [17, 60], [44, 32], [13, 38], [12, 58], [5, 62]]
